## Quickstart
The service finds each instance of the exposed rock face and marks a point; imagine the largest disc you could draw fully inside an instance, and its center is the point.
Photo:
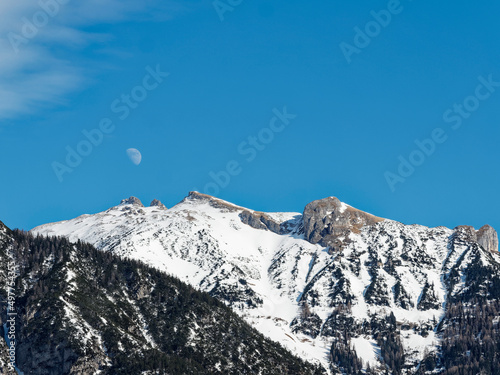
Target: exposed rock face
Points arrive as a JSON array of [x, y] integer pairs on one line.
[[329, 221], [157, 203], [132, 200], [214, 202], [257, 220], [260, 220], [487, 237]]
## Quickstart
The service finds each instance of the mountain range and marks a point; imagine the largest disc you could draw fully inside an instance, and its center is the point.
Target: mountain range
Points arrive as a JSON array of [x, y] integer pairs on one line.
[[338, 287]]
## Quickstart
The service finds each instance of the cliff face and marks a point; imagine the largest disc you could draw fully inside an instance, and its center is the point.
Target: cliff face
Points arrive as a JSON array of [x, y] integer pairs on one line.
[[488, 238], [329, 222], [260, 220]]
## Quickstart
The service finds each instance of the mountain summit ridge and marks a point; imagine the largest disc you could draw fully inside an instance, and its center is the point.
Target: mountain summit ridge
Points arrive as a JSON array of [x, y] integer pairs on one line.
[[324, 220], [331, 274]]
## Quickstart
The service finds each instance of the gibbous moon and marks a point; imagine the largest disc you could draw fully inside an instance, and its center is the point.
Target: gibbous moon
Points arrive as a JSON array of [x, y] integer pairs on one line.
[[134, 155]]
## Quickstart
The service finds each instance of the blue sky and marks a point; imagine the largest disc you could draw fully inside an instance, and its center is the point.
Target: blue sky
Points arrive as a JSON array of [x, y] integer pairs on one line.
[[266, 104]]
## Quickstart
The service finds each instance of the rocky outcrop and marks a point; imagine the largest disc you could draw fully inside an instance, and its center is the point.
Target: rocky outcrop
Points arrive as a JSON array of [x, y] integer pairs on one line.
[[157, 203], [329, 221], [260, 220], [465, 233], [214, 202], [257, 220], [132, 200], [487, 237]]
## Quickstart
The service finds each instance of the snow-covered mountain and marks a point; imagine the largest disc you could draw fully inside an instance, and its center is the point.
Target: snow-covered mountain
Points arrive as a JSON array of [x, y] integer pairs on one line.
[[329, 284]]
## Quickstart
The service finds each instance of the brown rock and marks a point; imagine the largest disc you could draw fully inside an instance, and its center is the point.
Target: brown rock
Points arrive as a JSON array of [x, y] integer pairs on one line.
[[132, 200], [157, 203], [260, 220], [214, 202], [329, 222], [487, 237]]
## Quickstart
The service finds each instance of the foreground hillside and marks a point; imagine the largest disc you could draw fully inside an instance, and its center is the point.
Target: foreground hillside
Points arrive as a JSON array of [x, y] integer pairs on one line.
[[335, 285], [83, 311]]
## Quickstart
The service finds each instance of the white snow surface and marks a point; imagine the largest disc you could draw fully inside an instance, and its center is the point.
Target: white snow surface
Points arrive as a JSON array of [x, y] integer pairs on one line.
[[367, 350]]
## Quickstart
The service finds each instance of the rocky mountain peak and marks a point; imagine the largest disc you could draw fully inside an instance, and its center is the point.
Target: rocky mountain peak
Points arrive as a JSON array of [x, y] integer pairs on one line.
[[197, 195], [487, 237], [157, 203], [329, 221], [213, 201], [132, 200]]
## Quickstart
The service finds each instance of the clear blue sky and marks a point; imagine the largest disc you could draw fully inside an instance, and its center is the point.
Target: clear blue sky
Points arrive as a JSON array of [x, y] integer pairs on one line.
[[353, 119]]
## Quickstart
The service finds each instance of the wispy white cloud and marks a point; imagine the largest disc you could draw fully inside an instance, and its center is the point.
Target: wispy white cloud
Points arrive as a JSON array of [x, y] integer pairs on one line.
[[32, 74]]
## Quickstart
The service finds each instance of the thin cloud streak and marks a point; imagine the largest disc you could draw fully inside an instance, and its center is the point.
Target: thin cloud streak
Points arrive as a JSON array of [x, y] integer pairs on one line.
[[32, 75]]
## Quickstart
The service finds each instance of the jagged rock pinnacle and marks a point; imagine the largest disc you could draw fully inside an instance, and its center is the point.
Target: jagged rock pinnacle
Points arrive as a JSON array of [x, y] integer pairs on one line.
[[132, 200], [157, 203]]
